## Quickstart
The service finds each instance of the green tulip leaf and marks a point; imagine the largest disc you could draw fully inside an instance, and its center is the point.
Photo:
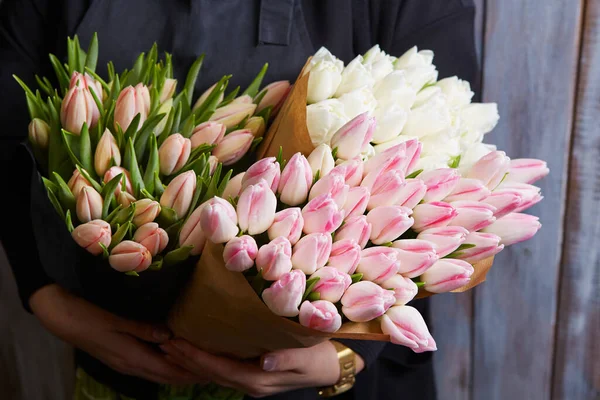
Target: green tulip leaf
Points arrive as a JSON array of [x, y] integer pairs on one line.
[[108, 193], [142, 137], [134, 168], [252, 90], [190, 81], [119, 235], [414, 174], [64, 194], [92, 54], [69, 221], [356, 278], [310, 284], [178, 255]]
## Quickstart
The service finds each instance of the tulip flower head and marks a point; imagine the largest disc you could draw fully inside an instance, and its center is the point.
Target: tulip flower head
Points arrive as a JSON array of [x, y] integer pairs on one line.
[[365, 301], [92, 234], [240, 252], [406, 327], [130, 256], [320, 315], [256, 207], [274, 259]]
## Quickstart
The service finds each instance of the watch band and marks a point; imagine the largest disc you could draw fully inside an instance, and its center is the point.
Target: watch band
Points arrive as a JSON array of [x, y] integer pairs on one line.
[[347, 360]]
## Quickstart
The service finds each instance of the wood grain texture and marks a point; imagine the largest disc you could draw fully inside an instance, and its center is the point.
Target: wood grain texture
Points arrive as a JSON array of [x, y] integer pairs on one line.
[[576, 365], [530, 65], [33, 363]]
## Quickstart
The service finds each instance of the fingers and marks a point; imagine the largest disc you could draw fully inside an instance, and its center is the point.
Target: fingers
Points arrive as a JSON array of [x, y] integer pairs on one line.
[[283, 360], [144, 331]]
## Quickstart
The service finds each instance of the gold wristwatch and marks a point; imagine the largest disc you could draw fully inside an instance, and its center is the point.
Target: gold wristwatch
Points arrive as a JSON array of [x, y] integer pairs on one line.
[[347, 359]]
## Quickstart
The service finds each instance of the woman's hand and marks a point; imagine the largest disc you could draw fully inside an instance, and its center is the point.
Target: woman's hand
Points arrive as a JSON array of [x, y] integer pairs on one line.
[[117, 342], [280, 371]]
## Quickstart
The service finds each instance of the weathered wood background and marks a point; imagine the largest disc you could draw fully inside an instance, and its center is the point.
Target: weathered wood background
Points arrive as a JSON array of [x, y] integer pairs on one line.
[[532, 331]]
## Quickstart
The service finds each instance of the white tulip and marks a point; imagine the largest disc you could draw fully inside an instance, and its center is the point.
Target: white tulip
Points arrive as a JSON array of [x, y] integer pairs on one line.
[[394, 88], [325, 77], [358, 102], [429, 118], [458, 92], [418, 67], [323, 119], [323, 54], [430, 163], [480, 118], [390, 118], [368, 152], [321, 160], [414, 58], [426, 94], [380, 148], [354, 76]]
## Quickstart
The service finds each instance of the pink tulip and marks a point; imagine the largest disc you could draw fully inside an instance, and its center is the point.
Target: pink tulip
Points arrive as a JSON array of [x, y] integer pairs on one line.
[[78, 107], [287, 223], [345, 256], [274, 259], [168, 89], [233, 146], [440, 183], [218, 220], [296, 180], [321, 160], [125, 199], [39, 133], [284, 296], [146, 210], [389, 222], [87, 82], [333, 184], [174, 153], [311, 252], [486, 245], [91, 234], [267, 169], [320, 315], [233, 113], [178, 195], [107, 152], [207, 133], [276, 94], [378, 264], [490, 169], [356, 202], [89, 204], [130, 256], [239, 253], [243, 99], [406, 327], [256, 208], [322, 215], [411, 193], [473, 215], [205, 95], [447, 275], [352, 170], [213, 163], [191, 232], [530, 195], [234, 186], [355, 228], [386, 189], [364, 301], [527, 170], [468, 190], [446, 239], [505, 201], [114, 171], [514, 228], [352, 138], [331, 284], [415, 256], [413, 153], [404, 289], [390, 159], [432, 215], [77, 182], [131, 102], [256, 125], [152, 237]]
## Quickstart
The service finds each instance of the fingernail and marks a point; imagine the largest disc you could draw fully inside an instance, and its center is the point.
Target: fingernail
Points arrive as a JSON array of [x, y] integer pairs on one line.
[[269, 363], [161, 334]]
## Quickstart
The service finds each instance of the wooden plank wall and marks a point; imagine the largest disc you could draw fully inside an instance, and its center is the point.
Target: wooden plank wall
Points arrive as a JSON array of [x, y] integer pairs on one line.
[[532, 331]]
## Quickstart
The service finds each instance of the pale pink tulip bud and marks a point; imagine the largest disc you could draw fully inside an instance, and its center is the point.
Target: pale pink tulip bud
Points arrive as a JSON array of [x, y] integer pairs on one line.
[[168, 89], [287, 223], [107, 151], [91, 234], [486, 245], [445, 239], [406, 327], [352, 170], [514, 228], [311, 252], [364, 301], [284, 296], [233, 113], [468, 190], [207, 133], [322, 215], [527, 170], [178, 195], [86, 81], [505, 201], [256, 125], [89, 204], [114, 171], [356, 202], [78, 107], [490, 169], [378, 264], [191, 232], [240, 252], [320, 315], [274, 259], [332, 283], [355, 228], [352, 138], [213, 163], [411, 193], [415, 256], [296, 180], [473, 215], [321, 160], [440, 183], [243, 99], [267, 169], [218, 220], [234, 186], [130, 256], [447, 275], [146, 210], [77, 182], [333, 184], [386, 189], [131, 102], [256, 208], [413, 153], [530, 195], [404, 289], [205, 95], [152, 237], [389, 222], [345, 256], [233, 146], [125, 199], [174, 153], [393, 158], [433, 215], [275, 96], [39, 133]]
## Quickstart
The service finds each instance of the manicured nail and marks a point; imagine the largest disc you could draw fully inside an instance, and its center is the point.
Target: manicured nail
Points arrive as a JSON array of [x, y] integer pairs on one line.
[[269, 363], [161, 334]]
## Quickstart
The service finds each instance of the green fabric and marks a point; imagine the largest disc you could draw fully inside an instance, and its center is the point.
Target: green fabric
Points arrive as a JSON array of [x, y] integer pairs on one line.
[[86, 388]]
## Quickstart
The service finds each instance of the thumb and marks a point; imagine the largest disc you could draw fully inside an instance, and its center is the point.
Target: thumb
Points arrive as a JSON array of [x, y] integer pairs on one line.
[[147, 332], [283, 360]]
